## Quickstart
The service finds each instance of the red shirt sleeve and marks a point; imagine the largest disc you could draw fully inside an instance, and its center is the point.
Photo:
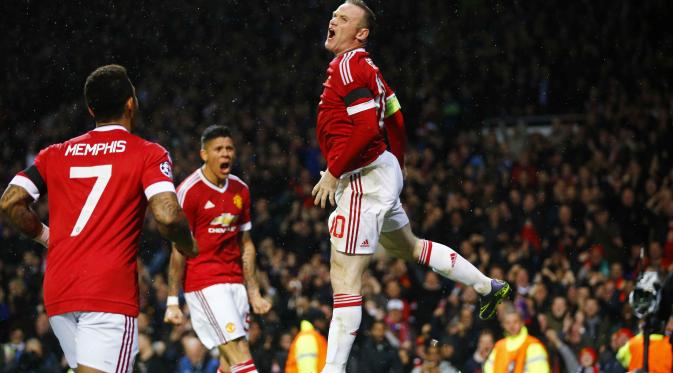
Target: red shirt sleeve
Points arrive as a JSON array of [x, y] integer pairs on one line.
[[158, 171], [394, 123], [188, 203], [397, 137], [34, 178], [42, 160], [246, 218]]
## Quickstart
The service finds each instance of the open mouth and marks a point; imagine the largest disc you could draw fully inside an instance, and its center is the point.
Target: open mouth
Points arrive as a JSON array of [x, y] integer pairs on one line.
[[330, 33], [224, 166]]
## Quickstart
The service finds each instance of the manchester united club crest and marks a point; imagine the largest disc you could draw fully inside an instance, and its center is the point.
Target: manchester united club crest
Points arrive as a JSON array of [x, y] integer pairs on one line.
[[238, 201]]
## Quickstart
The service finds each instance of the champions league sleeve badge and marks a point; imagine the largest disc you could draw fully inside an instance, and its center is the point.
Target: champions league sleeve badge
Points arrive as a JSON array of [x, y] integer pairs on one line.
[[165, 168]]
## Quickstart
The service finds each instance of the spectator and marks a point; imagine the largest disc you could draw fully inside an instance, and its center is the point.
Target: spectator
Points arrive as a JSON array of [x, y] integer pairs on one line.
[[631, 354], [484, 346], [13, 349], [432, 362], [48, 341], [518, 351], [399, 327], [308, 350], [608, 359], [557, 314], [196, 358], [377, 354], [611, 161], [35, 360], [148, 361], [568, 360]]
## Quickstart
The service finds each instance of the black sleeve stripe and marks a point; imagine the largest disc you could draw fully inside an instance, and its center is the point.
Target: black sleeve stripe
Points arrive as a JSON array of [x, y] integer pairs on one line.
[[34, 176], [356, 94]]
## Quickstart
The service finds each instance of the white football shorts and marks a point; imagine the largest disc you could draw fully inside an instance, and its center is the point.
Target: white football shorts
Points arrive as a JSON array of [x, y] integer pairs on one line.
[[220, 313], [100, 340], [368, 203]]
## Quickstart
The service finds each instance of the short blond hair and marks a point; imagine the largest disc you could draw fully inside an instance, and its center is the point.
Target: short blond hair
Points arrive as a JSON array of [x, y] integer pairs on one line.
[[369, 18]]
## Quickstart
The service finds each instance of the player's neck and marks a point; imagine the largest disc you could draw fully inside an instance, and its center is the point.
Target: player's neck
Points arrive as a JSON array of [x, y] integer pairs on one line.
[[350, 49], [117, 122], [210, 176]]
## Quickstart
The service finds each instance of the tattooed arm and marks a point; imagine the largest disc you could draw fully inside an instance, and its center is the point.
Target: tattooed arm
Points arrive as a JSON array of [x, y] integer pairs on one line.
[[248, 254], [15, 206], [172, 222]]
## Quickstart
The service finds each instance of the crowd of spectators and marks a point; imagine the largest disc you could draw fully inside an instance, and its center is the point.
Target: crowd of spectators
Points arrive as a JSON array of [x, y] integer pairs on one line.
[[561, 213]]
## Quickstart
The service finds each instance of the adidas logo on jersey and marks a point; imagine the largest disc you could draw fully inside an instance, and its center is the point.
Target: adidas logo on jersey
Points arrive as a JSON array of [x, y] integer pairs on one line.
[[209, 205], [365, 243]]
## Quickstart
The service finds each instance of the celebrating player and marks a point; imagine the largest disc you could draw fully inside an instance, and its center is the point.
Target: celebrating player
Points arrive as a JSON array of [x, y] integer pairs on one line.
[[99, 184], [364, 181], [217, 205]]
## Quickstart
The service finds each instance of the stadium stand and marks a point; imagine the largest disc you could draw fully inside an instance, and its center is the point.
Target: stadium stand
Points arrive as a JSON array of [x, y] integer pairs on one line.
[[560, 210]]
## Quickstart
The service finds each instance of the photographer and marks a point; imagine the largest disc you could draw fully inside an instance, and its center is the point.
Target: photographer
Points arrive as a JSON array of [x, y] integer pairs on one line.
[[652, 305]]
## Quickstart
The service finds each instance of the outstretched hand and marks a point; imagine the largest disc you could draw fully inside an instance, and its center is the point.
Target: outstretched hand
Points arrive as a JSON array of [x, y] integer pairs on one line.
[[325, 189]]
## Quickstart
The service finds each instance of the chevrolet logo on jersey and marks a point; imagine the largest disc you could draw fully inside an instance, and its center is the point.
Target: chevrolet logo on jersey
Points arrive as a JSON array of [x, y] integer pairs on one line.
[[225, 222]]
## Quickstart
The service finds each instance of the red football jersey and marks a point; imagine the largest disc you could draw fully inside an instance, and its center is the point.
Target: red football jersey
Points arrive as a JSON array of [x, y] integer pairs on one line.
[[98, 185], [353, 84], [216, 216]]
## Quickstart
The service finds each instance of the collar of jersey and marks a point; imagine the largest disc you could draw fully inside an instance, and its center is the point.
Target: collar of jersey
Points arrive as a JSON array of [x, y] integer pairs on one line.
[[110, 127], [211, 185], [360, 49]]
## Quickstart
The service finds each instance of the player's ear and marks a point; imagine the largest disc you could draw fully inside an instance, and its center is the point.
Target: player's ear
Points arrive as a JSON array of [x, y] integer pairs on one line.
[[362, 35], [203, 154], [88, 108], [130, 105]]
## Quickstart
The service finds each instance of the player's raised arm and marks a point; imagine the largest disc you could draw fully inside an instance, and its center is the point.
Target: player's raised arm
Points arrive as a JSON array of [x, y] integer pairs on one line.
[[172, 222], [248, 255], [15, 206]]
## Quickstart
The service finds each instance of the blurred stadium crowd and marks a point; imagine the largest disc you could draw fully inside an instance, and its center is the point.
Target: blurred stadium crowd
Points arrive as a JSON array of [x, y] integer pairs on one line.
[[561, 213]]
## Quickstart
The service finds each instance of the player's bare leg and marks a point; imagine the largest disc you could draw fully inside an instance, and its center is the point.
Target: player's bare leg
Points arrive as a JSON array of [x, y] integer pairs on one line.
[[402, 243], [224, 365], [84, 369], [237, 355], [346, 276]]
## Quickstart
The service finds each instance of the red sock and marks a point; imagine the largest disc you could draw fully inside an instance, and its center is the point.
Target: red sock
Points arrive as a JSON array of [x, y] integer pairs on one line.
[[244, 367]]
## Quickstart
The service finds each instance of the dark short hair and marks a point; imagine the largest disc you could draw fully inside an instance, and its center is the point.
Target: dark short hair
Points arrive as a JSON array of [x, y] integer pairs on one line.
[[369, 18], [213, 132], [106, 91]]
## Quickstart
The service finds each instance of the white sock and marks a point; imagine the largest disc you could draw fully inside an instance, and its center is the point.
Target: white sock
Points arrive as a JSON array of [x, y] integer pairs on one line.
[[346, 317], [448, 263]]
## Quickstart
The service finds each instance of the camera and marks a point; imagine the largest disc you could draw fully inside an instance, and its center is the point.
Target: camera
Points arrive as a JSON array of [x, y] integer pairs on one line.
[[646, 296]]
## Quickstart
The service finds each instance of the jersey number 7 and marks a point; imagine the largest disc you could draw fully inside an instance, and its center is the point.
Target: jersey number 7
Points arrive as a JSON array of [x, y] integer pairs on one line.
[[102, 174]]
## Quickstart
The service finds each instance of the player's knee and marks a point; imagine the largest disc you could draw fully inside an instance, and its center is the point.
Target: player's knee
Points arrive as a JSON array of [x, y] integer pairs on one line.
[[345, 281]]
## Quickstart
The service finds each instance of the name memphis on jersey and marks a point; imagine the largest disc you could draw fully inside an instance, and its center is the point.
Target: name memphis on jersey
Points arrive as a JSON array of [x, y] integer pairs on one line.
[[118, 146]]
